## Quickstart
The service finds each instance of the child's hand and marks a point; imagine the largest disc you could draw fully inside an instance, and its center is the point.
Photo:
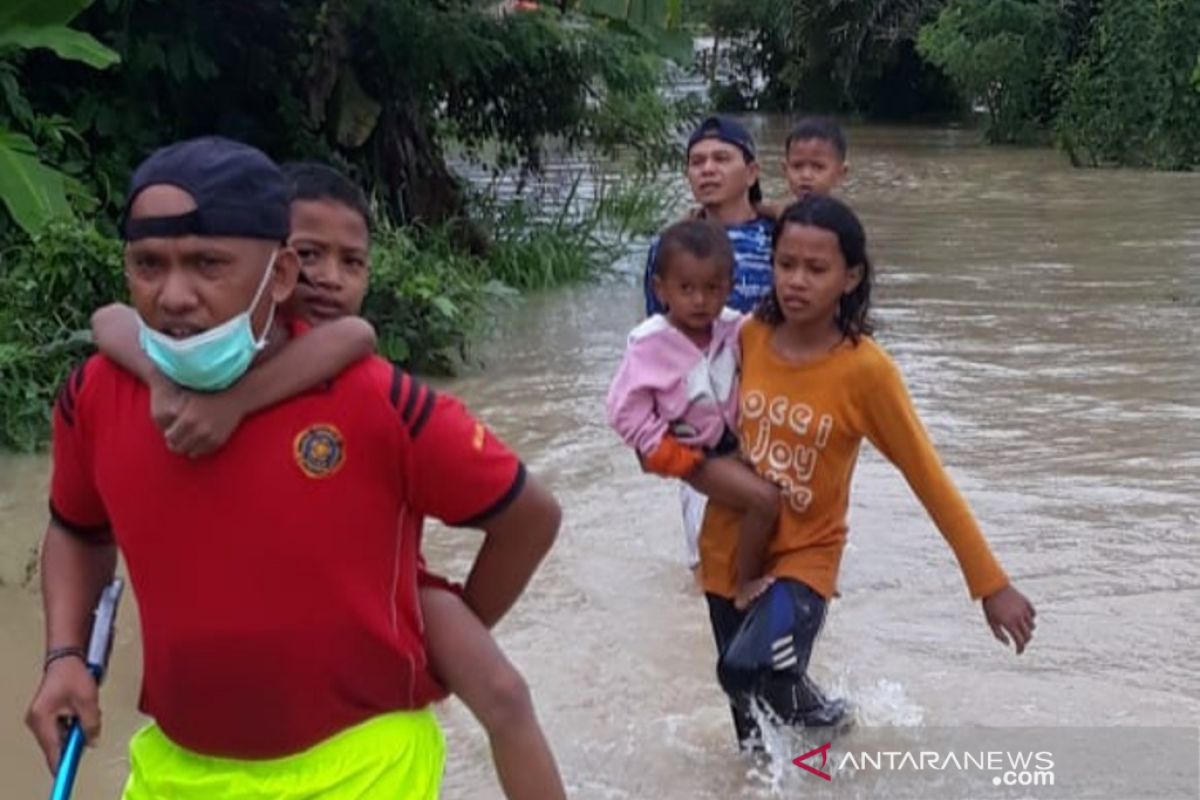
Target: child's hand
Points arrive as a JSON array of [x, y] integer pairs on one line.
[[203, 424], [166, 401], [751, 591], [1009, 612], [770, 210]]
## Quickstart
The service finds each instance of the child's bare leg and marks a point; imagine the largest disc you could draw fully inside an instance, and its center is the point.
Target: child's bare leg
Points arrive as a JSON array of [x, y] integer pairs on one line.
[[467, 660], [730, 481]]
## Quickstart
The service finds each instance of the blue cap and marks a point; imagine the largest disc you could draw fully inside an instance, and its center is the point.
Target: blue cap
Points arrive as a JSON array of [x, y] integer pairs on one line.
[[725, 130], [238, 191]]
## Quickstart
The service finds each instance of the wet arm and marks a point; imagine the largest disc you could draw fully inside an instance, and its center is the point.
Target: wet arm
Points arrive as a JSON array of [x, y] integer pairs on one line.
[[78, 550], [115, 332], [892, 425], [770, 209], [75, 569], [517, 540], [319, 355], [458, 471]]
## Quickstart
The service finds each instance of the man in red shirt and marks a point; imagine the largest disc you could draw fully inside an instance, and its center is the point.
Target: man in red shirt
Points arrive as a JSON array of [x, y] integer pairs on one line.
[[277, 592]]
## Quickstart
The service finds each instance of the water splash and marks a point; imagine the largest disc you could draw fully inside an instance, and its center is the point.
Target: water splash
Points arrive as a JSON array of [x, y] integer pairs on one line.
[[883, 703], [772, 772]]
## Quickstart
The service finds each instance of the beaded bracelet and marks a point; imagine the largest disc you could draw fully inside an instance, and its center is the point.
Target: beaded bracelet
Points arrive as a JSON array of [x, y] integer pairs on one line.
[[63, 652]]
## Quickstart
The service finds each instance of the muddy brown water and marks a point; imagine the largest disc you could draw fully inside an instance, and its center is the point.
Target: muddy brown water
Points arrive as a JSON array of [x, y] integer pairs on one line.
[[1045, 320]]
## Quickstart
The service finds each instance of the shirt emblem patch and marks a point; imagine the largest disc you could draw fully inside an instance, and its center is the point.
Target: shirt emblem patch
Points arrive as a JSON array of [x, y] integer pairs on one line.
[[320, 450]]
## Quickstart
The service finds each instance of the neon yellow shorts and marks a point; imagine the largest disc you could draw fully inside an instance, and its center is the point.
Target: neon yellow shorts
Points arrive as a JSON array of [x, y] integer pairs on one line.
[[398, 756]]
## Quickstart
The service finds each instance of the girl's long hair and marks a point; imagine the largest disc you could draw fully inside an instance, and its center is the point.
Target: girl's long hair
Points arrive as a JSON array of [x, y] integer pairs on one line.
[[828, 213]]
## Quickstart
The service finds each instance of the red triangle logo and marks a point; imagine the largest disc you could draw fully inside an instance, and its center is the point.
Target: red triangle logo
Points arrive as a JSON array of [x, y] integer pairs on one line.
[[824, 752]]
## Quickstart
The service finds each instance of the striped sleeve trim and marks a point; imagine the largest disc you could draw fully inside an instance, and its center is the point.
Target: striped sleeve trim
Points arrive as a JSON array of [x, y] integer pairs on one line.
[[426, 410], [92, 534], [504, 501], [397, 382], [68, 394], [413, 400]]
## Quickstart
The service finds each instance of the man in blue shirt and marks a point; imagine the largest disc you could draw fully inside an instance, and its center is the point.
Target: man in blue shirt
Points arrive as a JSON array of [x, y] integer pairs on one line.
[[723, 171]]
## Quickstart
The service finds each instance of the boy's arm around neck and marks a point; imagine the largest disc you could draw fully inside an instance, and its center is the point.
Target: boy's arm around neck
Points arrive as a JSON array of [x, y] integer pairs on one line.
[[115, 332], [319, 355], [205, 422]]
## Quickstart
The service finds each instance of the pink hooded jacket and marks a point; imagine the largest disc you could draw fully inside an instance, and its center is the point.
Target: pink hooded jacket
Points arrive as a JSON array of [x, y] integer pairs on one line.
[[667, 384]]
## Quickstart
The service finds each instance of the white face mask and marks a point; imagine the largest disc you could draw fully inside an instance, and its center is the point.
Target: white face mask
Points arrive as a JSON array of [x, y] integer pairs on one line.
[[213, 360]]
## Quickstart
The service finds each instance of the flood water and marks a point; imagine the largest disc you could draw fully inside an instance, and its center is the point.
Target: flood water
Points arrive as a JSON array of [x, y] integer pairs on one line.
[[1045, 320]]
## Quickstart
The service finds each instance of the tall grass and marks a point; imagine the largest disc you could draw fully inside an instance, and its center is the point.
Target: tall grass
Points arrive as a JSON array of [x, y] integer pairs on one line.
[[585, 233]]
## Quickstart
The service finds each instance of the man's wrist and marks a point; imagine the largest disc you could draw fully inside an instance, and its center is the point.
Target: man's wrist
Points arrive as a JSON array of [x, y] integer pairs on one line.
[[59, 653]]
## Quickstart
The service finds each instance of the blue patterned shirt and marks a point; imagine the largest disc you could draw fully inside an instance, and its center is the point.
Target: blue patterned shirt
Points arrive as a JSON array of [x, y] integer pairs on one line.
[[752, 271]]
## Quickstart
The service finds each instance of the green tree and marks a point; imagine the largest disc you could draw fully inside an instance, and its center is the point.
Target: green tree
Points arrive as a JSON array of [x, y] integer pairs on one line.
[[49, 283], [997, 52], [1129, 98], [380, 86], [33, 191], [384, 89], [830, 55], [660, 22]]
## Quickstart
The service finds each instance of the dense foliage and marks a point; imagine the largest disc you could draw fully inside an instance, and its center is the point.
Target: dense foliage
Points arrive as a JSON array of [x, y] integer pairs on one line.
[[824, 55], [1113, 82], [382, 87], [393, 91], [1130, 98]]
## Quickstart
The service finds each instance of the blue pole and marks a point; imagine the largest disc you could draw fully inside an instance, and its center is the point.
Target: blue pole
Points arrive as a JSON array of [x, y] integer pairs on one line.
[[68, 763], [99, 648]]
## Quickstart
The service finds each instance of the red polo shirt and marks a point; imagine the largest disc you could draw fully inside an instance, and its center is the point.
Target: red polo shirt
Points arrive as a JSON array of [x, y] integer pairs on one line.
[[277, 594]]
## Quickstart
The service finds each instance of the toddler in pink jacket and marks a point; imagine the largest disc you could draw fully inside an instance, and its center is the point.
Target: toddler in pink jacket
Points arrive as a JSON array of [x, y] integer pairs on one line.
[[674, 398]]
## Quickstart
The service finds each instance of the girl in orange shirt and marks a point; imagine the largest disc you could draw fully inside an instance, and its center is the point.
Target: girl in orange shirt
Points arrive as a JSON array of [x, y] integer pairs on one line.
[[814, 385]]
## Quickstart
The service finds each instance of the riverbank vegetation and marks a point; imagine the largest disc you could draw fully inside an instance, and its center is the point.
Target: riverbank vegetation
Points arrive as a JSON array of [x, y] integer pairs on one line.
[[445, 112], [1111, 82], [406, 96]]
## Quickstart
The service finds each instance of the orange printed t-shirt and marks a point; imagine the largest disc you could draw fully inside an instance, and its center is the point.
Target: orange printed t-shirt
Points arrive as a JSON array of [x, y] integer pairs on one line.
[[801, 426]]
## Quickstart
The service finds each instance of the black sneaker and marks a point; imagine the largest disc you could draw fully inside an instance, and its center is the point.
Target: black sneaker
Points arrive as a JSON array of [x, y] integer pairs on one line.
[[836, 715]]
